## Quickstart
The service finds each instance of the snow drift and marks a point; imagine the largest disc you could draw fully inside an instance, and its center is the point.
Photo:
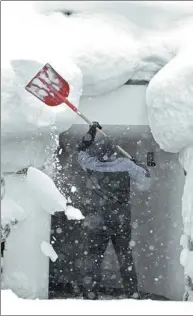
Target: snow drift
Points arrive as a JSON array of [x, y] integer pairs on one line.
[[170, 104]]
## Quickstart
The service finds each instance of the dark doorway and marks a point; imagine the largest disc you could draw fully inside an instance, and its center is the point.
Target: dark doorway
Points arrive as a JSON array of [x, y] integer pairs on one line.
[[65, 274]]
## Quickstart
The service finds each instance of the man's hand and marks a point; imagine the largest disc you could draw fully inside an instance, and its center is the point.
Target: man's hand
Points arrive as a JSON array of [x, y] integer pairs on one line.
[[133, 159], [93, 129], [88, 139]]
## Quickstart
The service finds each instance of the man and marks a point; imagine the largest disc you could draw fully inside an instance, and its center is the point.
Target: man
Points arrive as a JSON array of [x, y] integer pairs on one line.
[[108, 209]]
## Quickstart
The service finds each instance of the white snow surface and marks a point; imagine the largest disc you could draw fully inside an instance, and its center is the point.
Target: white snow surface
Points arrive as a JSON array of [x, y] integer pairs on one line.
[[73, 213], [48, 196], [170, 104], [48, 251], [11, 211], [12, 305], [29, 127], [186, 159], [45, 192]]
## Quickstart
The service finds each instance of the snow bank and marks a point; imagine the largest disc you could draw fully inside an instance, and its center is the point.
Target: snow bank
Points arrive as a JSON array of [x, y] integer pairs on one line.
[[11, 211], [30, 239], [106, 63], [186, 159], [161, 14], [45, 192], [12, 305], [142, 46], [170, 106], [48, 196], [23, 244]]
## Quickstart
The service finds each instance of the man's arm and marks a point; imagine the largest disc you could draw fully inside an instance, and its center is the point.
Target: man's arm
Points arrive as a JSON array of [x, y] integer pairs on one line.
[[137, 173]]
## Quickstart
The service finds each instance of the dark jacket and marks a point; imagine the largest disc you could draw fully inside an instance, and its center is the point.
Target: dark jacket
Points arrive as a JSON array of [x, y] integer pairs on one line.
[[110, 180]]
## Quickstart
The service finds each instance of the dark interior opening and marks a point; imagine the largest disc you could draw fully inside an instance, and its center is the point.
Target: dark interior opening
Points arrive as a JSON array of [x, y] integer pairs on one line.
[[64, 275]]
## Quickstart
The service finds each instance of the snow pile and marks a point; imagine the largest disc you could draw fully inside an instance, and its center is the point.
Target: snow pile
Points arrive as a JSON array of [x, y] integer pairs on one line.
[[39, 198], [11, 211], [45, 191], [105, 63], [12, 305], [48, 196], [170, 105], [89, 37], [48, 251], [186, 260], [186, 159], [170, 114], [161, 13], [137, 53]]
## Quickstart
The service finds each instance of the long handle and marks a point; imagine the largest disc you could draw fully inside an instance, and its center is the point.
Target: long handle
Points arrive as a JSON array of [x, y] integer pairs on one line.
[[90, 123]]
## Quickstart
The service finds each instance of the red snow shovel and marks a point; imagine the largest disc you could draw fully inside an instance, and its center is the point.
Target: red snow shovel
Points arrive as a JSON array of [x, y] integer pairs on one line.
[[49, 87]]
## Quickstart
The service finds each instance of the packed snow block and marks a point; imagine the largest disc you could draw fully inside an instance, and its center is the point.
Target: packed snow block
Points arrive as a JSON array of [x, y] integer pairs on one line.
[[45, 192], [169, 102], [23, 253], [11, 211], [48, 250]]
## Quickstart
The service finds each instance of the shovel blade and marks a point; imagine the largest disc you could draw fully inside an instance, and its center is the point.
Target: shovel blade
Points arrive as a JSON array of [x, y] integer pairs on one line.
[[48, 86]]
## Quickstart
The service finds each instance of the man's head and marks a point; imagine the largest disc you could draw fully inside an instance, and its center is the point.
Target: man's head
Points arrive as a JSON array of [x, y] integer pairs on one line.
[[104, 150]]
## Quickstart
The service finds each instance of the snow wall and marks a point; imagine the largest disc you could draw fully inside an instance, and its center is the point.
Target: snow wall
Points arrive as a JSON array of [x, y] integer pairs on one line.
[[28, 274]]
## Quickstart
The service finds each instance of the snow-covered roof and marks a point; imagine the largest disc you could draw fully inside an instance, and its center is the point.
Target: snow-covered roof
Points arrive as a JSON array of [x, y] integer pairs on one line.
[[111, 43]]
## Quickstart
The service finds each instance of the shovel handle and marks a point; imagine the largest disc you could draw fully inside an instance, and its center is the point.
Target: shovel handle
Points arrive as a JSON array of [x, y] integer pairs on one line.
[[90, 123]]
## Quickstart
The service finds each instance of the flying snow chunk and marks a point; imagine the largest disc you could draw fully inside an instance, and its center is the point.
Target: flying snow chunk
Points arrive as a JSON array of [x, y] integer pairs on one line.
[[73, 213], [73, 189], [48, 251], [45, 191]]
